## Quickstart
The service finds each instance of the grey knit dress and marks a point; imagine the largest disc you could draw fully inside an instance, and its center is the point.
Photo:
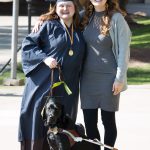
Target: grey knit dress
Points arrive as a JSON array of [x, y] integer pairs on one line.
[[99, 70]]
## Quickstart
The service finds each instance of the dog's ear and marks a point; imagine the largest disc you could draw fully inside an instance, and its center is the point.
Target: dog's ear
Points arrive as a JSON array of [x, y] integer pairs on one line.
[[43, 114]]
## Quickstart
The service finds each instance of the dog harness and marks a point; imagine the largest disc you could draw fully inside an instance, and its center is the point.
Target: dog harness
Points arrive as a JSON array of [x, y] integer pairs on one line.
[[73, 137]]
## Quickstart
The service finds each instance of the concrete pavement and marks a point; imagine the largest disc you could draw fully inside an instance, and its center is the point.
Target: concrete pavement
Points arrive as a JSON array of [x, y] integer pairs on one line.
[[5, 35], [132, 119]]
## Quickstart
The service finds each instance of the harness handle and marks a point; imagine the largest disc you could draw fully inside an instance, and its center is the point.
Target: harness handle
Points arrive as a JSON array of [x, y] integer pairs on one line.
[[53, 85], [80, 139]]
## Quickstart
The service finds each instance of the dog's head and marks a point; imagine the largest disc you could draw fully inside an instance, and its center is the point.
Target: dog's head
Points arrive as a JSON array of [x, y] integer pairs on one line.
[[52, 111]]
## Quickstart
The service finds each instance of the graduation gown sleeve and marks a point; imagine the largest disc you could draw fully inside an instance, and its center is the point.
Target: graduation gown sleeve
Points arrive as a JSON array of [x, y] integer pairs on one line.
[[32, 53]]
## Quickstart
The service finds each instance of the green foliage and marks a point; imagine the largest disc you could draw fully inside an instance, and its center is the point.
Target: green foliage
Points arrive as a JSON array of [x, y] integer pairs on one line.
[[141, 35], [19, 67], [6, 74], [140, 41], [142, 20], [138, 75]]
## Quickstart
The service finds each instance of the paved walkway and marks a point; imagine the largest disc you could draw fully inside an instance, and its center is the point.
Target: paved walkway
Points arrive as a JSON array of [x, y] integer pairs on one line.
[[132, 120], [139, 8], [5, 36]]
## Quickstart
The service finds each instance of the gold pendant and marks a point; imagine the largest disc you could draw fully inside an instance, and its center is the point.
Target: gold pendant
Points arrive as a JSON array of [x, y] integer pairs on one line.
[[70, 52]]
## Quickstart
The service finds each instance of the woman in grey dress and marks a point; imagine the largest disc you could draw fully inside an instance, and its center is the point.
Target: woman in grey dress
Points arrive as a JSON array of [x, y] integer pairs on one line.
[[107, 36]]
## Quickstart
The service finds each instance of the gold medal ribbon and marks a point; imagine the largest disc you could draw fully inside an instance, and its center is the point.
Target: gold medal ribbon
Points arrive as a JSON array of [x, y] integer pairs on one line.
[[71, 38], [70, 35]]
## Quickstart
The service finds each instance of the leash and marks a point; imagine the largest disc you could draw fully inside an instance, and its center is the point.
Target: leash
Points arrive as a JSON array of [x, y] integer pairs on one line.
[[97, 142], [56, 84], [80, 139]]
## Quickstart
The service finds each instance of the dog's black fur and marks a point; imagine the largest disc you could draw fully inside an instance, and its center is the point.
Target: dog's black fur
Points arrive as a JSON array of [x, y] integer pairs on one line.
[[54, 116]]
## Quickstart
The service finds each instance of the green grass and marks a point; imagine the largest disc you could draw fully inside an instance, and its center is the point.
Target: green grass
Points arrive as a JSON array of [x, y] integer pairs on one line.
[[141, 35], [138, 76], [142, 20], [140, 40], [6, 75]]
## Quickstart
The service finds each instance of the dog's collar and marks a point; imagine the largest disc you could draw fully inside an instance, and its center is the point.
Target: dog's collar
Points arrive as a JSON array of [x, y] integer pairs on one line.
[[71, 134], [52, 130]]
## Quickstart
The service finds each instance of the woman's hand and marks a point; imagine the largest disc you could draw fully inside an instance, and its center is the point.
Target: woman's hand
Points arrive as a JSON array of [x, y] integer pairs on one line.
[[117, 88], [37, 26], [51, 62]]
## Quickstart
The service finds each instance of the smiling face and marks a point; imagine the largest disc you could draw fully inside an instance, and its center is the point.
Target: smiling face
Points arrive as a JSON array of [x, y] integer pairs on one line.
[[99, 4], [65, 10]]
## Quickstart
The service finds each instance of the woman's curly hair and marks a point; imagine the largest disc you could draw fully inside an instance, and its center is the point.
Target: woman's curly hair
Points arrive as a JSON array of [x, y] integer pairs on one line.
[[112, 6], [51, 14]]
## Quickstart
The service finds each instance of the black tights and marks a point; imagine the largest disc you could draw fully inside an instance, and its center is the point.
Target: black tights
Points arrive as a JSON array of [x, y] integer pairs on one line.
[[108, 120]]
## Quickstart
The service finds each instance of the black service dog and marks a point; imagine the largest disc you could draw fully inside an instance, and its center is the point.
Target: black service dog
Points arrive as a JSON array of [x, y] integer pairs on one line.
[[56, 122]]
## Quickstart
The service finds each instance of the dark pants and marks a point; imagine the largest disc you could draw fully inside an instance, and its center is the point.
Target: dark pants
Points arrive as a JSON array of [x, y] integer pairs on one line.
[[108, 120]]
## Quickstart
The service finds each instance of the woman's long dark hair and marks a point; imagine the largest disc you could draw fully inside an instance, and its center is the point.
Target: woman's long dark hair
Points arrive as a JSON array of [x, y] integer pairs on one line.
[[51, 15], [112, 6]]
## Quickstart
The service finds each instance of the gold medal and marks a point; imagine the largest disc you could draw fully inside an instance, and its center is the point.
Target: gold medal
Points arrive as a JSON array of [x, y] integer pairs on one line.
[[70, 52]]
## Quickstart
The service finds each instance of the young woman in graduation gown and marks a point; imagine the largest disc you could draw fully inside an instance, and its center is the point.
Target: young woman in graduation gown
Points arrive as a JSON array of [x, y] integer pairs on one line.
[[57, 42]]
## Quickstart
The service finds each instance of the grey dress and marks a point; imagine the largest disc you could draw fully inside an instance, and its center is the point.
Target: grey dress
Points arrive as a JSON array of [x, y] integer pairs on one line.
[[99, 70]]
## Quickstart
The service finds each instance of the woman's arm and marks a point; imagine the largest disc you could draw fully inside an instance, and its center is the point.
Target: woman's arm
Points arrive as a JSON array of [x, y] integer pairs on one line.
[[123, 44], [32, 52], [124, 39], [37, 25]]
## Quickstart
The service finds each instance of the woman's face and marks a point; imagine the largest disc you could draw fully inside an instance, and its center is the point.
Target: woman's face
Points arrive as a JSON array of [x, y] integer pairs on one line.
[[99, 3], [65, 10]]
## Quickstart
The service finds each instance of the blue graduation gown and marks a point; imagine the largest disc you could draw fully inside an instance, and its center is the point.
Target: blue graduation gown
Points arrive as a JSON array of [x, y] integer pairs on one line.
[[51, 40]]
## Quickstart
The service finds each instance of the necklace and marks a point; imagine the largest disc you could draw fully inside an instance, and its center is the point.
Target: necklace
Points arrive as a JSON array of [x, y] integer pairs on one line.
[[71, 52], [71, 39]]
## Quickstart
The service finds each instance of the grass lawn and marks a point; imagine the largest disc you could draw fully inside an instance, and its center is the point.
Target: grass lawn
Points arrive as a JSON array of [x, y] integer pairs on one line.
[[6, 74], [140, 51], [138, 75], [141, 34]]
